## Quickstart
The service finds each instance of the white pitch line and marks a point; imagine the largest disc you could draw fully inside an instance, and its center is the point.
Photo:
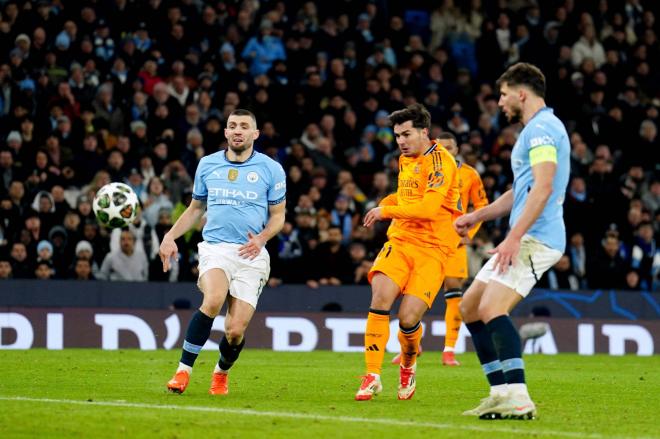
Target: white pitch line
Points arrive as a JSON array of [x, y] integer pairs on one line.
[[248, 412]]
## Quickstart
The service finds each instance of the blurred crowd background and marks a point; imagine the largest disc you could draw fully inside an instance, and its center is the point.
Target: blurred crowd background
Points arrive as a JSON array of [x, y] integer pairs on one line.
[[138, 91]]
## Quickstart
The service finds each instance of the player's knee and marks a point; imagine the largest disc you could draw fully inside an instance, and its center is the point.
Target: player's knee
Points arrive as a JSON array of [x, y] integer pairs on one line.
[[211, 305], [408, 320]]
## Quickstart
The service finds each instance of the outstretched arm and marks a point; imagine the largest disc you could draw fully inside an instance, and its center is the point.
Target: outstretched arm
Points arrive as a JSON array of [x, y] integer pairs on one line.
[[499, 208], [188, 218]]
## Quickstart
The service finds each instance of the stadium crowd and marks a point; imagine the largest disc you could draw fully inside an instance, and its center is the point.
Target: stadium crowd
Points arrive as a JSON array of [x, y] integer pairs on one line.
[[138, 91]]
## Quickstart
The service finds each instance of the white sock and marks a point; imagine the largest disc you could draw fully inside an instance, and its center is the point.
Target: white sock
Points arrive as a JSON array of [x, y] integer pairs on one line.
[[518, 389], [448, 349], [499, 390], [374, 374], [218, 370], [184, 367]]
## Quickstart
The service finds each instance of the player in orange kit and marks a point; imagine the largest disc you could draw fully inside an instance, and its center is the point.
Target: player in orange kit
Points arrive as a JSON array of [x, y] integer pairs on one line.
[[412, 261], [471, 189]]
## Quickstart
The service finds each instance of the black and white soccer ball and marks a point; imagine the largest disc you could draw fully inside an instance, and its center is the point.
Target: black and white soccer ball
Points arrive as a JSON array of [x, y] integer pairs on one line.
[[115, 205]]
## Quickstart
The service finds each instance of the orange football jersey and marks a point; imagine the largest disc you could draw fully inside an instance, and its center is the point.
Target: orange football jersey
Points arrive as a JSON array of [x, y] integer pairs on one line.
[[471, 190], [427, 200]]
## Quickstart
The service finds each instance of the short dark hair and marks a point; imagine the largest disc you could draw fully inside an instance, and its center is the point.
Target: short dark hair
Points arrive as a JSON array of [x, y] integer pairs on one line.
[[243, 112], [417, 113], [447, 135], [524, 74]]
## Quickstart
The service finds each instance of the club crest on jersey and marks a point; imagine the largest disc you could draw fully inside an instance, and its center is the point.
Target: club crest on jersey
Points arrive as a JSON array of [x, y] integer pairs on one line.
[[252, 177], [233, 174], [416, 170]]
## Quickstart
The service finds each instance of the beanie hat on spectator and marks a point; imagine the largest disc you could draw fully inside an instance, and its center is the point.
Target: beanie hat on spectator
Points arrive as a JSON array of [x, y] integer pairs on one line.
[[84, 246], [58, 230], [63, 41], [380, 114], [14, 135], [22, 37], [137, 124], [44, 244], [82, 199], [27, 84], [16, 53]]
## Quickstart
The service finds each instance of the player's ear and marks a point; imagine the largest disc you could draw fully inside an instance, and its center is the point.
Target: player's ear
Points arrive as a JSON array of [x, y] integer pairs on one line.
[[256, 134]]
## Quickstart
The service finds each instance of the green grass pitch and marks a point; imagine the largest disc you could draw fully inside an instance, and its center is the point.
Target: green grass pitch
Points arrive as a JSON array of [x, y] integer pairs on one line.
[[109, 394]]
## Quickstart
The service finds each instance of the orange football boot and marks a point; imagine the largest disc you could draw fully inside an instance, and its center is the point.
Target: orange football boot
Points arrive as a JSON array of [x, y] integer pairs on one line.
[[219, 384], [179, 382], [448, 359]]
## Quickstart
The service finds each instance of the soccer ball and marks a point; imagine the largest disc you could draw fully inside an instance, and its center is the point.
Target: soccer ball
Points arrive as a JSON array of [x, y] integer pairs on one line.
[[115, 205]]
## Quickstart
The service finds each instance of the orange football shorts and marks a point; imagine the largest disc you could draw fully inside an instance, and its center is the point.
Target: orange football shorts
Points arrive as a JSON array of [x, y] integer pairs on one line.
[[419, 271], [457, 264]]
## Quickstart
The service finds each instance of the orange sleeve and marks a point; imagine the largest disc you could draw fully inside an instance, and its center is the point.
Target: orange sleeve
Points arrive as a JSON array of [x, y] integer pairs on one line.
[[390, 200], [478, 198], [439, 183]]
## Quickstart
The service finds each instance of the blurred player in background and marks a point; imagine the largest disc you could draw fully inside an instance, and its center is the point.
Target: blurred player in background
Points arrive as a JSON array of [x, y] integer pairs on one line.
[[412, 261], [540, 161], [243, 193], [471, 190]]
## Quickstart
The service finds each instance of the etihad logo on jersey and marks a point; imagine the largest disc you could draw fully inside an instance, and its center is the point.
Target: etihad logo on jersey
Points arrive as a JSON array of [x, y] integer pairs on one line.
[[540, 141], [222, 192]]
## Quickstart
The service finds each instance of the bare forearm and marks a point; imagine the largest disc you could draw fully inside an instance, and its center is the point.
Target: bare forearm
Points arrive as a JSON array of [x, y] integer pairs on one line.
[[536, 200], [497, 209], [185, 222], [273, 226]]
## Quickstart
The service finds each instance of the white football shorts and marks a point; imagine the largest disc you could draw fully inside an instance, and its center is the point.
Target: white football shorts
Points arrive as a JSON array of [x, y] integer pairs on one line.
[[534, 259], [247, 278]]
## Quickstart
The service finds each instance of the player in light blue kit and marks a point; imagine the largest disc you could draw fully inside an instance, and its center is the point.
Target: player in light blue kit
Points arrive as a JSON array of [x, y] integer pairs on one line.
[[243, 194], [535, 242]]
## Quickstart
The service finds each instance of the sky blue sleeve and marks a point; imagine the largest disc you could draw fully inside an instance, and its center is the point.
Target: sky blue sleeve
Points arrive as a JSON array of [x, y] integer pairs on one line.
[[542, 144], [277, 187], [200, 191]]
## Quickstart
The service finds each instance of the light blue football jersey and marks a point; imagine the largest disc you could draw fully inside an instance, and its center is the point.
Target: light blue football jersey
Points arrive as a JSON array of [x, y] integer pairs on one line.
[[237, 195], [541, 134]]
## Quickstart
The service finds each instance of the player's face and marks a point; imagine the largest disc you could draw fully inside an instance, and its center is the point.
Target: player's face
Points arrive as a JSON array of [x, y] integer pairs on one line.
[[510, 102], [450, 145], [240, 133], [412, 141]]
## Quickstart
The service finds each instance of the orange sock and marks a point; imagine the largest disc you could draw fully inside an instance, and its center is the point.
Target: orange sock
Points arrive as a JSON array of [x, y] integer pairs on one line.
[[375, 340], [409, 339], [452, 321]]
